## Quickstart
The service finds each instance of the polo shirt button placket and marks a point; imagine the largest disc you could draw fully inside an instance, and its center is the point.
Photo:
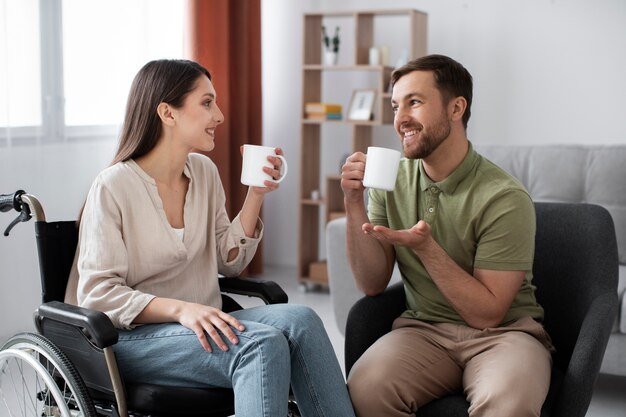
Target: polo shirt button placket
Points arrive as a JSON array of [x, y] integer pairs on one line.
[[431, 204]]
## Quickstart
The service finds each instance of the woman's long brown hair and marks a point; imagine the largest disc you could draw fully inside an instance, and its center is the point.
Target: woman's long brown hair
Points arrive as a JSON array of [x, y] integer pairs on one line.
[[161, 81]]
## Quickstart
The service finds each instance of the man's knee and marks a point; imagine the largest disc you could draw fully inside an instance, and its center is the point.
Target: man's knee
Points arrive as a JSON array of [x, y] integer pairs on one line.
[[500, 403], [513, 384], [375, 391], [362, 383]]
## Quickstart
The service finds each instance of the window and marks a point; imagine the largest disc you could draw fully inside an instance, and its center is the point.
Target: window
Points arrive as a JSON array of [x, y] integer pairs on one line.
[[20, 84], [69, 74]]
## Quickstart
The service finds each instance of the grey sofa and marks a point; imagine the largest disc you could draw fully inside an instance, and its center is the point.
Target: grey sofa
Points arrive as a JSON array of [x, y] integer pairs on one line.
[[555, 173]]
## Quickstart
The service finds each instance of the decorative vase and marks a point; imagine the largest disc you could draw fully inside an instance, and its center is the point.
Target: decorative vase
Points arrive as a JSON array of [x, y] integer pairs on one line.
[[330, 57]]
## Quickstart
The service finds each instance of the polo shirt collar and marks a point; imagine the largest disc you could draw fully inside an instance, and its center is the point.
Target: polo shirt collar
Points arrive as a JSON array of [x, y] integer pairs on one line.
[[449, 184]]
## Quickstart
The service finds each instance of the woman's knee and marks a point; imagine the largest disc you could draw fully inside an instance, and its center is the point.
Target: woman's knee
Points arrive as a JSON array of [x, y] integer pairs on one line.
[[287, 317], [301, 314], [300, 322], [264, 344]]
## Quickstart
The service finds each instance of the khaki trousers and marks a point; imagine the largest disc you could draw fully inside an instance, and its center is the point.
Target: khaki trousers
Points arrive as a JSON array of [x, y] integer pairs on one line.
[[504, 371]]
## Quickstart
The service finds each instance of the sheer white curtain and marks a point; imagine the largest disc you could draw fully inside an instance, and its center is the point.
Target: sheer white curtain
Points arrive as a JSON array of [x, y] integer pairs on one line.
[[20, 83], [104, 45], [66, 65]]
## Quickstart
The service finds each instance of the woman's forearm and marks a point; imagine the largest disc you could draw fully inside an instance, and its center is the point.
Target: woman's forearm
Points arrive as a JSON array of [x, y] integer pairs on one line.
[[250, 212], [160, 310]]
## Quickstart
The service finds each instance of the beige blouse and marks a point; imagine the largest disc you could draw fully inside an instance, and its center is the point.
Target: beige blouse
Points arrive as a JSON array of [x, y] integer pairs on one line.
[[129, 254]]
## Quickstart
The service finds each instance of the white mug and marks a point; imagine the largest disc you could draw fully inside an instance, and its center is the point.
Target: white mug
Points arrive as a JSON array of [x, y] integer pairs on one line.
[[254, 159], [381, 168]]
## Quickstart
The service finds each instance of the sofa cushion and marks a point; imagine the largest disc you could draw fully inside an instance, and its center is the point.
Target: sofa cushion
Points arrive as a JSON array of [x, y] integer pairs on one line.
[[512, 160], [557, 174], [606, 186]]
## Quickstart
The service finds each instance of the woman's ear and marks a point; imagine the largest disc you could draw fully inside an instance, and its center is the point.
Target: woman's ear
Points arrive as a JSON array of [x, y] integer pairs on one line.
[[165, 114], [457, 107]]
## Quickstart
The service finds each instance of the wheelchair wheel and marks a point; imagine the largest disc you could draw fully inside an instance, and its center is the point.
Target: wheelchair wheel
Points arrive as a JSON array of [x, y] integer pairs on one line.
[[37, 380]]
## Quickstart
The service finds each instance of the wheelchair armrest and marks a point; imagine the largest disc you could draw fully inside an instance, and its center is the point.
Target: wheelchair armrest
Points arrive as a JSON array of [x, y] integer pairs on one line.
[[98, 325], [268, 291]]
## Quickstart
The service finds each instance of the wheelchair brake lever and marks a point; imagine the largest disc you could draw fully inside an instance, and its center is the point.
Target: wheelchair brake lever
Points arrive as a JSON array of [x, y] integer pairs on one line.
[[23, 217]]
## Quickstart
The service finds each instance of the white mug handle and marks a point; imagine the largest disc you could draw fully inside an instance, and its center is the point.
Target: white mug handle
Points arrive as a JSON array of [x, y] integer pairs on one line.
[[283, 169]]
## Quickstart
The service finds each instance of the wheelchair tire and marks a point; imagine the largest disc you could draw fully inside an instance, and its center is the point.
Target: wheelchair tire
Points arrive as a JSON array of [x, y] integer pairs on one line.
[[37, 379]]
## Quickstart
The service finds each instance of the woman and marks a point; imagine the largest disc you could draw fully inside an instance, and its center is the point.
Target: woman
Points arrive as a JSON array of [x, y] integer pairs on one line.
[[154, 234]]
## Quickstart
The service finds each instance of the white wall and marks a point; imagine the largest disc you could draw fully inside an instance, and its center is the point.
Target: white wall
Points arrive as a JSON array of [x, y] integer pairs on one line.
[[545, 71], [59, 176]]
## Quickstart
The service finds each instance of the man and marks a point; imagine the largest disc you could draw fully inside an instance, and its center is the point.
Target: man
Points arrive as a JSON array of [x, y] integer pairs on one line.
[[462, 232]]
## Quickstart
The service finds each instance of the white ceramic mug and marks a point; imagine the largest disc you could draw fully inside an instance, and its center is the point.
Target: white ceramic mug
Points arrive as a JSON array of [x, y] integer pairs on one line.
[[381, 168], [254, 159]]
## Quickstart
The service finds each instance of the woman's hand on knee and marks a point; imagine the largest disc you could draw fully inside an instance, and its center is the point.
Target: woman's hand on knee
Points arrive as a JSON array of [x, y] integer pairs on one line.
[[204, 320]]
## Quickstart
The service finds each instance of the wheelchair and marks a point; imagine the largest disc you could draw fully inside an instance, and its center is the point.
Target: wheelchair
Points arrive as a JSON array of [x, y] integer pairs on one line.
[[68, 369]]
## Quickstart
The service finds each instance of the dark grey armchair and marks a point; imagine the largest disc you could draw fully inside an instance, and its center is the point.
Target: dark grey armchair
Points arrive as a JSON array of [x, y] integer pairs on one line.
[[575, 271]]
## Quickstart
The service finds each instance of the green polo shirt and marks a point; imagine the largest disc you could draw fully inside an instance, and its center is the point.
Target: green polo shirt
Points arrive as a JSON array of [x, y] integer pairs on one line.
[[480, 215]]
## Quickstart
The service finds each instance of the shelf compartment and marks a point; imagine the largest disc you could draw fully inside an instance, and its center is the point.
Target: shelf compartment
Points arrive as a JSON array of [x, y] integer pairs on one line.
[[351, 122], [361, 26], [317, 67], [310, 202], [334, 198]]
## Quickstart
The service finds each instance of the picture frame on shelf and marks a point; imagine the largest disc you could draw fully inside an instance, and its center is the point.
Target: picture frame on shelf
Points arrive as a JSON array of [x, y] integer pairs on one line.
[[361, 105]]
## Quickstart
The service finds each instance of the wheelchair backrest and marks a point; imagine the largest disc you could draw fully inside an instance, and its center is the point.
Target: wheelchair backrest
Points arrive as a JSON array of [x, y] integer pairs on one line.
[[56, 244]]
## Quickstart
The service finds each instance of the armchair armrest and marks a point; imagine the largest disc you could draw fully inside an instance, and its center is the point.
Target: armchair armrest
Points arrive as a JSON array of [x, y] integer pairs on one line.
[[268, 291], [98, 325], [369, 319], [586, 357]]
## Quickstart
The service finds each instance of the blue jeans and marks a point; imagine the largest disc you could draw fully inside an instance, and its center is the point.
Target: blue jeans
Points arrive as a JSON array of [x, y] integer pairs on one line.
[[281, 344]]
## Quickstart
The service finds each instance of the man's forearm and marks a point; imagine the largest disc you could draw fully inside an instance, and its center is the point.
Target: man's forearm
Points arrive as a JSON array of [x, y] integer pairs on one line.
[[471, 296], [369, 261]]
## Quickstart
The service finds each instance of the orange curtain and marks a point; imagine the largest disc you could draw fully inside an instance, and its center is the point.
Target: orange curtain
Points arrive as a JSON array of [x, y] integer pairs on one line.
[[225, 37]]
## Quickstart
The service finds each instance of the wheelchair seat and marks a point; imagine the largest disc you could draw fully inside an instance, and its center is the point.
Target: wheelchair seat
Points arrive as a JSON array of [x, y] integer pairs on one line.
[[76, 346]]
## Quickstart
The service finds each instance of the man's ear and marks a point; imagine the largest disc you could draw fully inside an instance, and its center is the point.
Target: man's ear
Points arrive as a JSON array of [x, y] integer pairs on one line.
[[457, 108], [165, 113]]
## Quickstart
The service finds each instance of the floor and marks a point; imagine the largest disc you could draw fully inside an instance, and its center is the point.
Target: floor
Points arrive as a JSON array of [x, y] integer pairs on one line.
[[609, 398]]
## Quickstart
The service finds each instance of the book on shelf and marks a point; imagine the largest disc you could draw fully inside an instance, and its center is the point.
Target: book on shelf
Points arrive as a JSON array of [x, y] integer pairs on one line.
[[311, 107], [324, 116]]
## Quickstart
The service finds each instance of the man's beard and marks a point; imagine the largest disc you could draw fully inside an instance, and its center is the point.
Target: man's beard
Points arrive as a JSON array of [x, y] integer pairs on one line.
[[429, 140]]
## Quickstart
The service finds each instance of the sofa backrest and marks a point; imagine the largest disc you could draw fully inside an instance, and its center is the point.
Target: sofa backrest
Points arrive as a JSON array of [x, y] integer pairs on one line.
[[570, 173]]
